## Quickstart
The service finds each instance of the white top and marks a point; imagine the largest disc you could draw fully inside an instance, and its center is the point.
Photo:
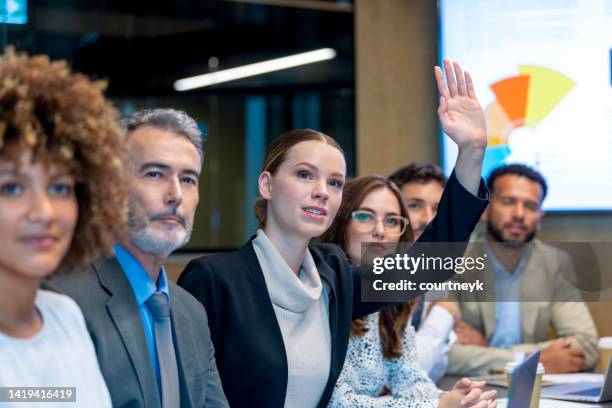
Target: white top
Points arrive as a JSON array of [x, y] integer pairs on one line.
[[303, 319], [61, 354], [434, 339]]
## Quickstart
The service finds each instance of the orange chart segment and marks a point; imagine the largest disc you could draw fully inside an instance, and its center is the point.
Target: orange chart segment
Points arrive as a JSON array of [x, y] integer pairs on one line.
[[511, 94], [547, 88], [498, 124]]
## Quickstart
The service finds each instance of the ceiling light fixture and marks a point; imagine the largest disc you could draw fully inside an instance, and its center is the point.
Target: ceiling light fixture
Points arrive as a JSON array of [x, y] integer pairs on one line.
[[258, 68]]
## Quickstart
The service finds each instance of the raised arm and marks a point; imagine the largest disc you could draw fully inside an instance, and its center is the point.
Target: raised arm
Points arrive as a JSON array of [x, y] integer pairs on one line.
[[465, 196], [463, 121]]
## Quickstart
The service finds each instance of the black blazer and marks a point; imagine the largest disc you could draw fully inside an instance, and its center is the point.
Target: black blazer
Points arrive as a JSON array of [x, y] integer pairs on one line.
[[249, 345], [105, 296]]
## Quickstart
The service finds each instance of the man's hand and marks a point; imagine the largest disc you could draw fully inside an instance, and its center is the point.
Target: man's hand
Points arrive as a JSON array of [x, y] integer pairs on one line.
[[467, 393], [466, 334], [559, 357], [450, 307]]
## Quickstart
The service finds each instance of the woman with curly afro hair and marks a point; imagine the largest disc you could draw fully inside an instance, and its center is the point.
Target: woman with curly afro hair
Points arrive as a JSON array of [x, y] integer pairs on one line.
[[62, 201]]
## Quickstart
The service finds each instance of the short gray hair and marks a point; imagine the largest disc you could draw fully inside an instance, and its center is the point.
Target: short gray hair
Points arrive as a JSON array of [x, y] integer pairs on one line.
[[171, 120]]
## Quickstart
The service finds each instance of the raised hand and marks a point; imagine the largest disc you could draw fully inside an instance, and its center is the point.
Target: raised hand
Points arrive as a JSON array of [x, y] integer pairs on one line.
[[460, 113], [463, 121]]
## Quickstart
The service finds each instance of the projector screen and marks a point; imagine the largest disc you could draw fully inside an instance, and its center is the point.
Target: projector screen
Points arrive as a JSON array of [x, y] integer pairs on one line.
[[542, 74]]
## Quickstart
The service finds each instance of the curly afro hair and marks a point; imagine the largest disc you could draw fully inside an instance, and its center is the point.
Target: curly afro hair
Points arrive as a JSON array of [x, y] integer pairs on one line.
[[64, 117]]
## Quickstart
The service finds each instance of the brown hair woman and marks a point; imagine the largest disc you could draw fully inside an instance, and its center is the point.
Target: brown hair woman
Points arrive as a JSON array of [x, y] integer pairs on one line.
[[381, 357], [280, 307]]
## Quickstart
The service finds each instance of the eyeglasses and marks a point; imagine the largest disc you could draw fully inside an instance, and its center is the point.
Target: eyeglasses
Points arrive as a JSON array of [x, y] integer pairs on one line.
[[365, 221]]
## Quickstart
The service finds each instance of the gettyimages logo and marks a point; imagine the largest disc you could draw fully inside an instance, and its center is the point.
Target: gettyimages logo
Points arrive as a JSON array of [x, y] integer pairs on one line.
[[412, 264], [563, 272]]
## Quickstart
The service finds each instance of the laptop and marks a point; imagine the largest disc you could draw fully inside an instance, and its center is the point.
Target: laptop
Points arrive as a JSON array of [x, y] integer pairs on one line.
[[523, 380], [582, 391]]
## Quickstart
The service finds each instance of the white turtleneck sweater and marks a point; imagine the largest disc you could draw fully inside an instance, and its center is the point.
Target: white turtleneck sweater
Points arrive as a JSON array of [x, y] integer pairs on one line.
[[303, 319]]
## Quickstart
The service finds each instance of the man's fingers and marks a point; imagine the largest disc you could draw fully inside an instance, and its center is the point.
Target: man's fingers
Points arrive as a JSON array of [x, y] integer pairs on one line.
[[577, 363], [564, 342], [576, 353]]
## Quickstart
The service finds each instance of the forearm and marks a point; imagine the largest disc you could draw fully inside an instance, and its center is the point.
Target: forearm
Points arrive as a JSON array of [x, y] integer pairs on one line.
[[468, 167], [572, 320], [587, 345]]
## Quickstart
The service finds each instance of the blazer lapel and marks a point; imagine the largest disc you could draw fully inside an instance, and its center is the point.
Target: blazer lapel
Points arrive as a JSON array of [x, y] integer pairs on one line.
[[268, 322], [123, 309], [532, 278], [529, 317], [329, 276]]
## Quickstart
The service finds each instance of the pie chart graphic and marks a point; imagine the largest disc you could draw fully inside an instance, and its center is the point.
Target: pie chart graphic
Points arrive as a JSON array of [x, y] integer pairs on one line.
[[522, 100]]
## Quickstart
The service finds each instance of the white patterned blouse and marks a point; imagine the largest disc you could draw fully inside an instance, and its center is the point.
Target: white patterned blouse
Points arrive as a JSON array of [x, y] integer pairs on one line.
[[366, 373]]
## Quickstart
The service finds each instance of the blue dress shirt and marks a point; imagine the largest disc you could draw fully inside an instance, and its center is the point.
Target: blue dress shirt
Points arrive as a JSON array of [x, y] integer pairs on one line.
[[507, 331], [143, 287]]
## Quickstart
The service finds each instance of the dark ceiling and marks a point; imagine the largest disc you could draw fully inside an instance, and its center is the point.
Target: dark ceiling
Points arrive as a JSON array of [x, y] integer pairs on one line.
[[142, 47]]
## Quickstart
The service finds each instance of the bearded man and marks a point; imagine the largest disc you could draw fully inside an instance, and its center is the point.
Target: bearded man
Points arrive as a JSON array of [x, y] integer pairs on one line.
[[151, 337], [529, 276]]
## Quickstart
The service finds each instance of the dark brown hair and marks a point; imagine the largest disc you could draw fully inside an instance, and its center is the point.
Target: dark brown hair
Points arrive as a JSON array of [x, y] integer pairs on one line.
[[393, 320], [276, 155], [418, 173], [64, 117], [520, 170]]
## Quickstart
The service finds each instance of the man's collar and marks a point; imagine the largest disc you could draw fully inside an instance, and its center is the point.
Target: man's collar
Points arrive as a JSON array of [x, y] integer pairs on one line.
[[142, 284]]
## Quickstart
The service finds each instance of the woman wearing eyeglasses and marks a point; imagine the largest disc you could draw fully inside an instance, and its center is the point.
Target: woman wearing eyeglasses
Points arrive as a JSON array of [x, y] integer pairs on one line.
[[381, 369], [280, 308]]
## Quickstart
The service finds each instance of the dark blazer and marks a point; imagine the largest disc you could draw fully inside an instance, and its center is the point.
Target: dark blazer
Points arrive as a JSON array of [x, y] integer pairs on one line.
[[251, 354], [113, 319]]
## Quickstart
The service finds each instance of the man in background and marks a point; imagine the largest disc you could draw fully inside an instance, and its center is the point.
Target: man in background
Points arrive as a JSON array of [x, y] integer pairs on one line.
[[523, 269]]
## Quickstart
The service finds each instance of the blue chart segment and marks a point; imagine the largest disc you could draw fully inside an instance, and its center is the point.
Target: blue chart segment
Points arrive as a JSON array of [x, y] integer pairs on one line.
[[493, 157]]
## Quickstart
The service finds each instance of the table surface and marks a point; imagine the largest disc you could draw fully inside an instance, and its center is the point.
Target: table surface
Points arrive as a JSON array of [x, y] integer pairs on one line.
[[447, 382]]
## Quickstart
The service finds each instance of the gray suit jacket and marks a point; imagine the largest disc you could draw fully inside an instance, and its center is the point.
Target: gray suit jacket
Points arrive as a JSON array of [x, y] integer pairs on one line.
[[114, 323], [545, 276]]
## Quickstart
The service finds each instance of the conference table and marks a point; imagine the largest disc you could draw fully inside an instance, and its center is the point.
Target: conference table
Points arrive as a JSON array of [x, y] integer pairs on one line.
[[447, 382]]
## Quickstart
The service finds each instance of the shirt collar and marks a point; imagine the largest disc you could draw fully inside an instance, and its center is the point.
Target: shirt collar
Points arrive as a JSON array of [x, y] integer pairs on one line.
[[142, 284], [500, 270]]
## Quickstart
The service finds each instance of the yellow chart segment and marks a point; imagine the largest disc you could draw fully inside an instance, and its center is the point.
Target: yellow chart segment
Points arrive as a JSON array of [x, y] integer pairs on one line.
[[547, 88]]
